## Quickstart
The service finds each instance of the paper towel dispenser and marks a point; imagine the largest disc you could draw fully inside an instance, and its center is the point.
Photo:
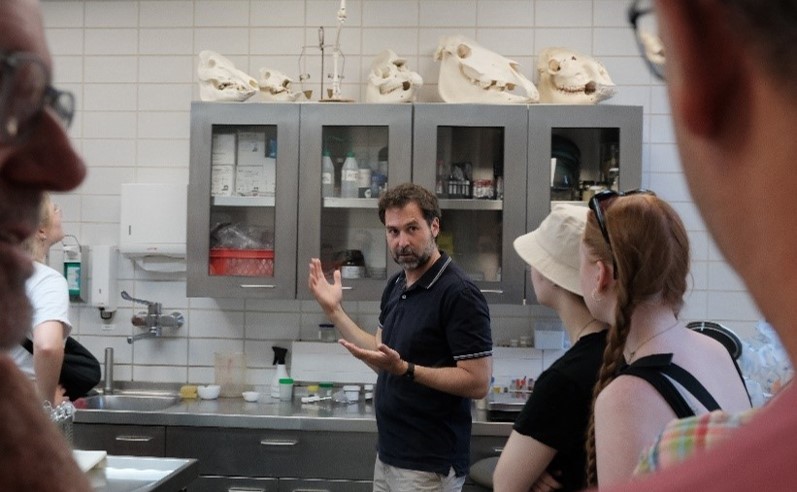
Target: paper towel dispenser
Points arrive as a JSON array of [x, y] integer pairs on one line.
[[153, 220]]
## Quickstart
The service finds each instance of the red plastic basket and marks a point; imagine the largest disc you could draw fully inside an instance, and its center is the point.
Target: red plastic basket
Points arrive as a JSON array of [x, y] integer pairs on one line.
[[242, 262]]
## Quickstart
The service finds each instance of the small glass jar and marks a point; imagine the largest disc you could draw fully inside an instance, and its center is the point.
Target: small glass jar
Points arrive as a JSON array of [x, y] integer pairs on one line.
[[327, 333], [325, 389]]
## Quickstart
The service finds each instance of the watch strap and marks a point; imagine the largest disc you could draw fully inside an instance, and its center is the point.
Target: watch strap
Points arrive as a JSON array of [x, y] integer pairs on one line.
[[409, 374]]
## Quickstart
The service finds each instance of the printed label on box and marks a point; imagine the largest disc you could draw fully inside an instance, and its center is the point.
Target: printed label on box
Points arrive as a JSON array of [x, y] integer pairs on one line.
[[221, 180], [250, 181]]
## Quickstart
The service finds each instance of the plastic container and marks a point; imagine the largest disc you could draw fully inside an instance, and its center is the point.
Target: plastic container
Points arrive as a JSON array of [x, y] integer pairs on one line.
[[242, 262], [325, 389], [352, 392], [286, 389], [327, 176], [349, 177]]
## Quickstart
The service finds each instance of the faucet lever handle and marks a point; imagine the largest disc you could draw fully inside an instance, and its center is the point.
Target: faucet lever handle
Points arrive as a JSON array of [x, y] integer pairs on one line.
[[128, 297]]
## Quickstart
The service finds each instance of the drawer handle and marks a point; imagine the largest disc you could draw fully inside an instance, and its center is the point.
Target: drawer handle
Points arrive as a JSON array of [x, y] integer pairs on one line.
[[257, 286], [498, 449], [491, 291], [134, 438], [310, 490], [244, 489], [279, 442]]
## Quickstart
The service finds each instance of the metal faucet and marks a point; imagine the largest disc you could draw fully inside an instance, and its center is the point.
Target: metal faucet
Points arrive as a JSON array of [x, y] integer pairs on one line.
[[107, 389], [152, 319]]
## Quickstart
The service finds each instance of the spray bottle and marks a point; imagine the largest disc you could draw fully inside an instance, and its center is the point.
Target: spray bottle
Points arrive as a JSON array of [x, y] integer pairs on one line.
[[279, 360]]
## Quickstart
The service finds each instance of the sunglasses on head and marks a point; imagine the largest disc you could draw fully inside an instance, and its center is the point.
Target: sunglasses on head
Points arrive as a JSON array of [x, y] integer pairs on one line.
[[596, 204]]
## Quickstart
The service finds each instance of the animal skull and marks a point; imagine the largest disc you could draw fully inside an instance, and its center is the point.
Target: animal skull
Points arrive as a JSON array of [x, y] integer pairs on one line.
[[276, 86], [569, 77], [390, 81], [219, 80], [470, 73]]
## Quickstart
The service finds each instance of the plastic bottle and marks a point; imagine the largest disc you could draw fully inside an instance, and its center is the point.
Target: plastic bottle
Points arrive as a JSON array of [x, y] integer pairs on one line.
[[364, 180], [349, 177], [327, 176], [282, 373]]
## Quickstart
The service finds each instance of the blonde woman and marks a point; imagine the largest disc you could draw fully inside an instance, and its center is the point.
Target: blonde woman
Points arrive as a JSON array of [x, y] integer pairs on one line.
[[547, 445], [634, 267], [48, 294]]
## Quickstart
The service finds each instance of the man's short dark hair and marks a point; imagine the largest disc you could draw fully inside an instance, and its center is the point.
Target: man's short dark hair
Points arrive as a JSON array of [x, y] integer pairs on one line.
[[399, 196]]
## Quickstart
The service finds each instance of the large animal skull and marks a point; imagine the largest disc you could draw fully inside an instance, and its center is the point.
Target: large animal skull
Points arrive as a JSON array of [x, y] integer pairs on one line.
[[390, 81], [470, 73], [276, 86], [569, 77], [219, 80]]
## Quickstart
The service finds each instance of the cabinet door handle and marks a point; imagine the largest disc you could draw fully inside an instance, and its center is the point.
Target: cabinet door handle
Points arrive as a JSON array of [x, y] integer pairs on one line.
[[347, 287], [244, 489], [279, 442], [310, 490], [257, 286], [134, 438], [498, 449], [491, 291]]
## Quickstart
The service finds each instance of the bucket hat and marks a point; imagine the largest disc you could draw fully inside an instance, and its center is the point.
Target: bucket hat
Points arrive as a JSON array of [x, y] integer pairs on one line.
[[552, 248]]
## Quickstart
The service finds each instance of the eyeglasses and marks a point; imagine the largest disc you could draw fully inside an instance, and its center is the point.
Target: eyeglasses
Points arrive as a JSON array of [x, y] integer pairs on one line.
[[642, 17], [25, 92], [596, 205]]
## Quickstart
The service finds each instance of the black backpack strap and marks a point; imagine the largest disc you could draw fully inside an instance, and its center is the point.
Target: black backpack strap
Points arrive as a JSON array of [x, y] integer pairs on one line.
[[28, 344]]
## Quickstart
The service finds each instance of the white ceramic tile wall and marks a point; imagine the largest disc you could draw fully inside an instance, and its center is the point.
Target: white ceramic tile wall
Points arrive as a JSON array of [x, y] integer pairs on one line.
[[132, 65]]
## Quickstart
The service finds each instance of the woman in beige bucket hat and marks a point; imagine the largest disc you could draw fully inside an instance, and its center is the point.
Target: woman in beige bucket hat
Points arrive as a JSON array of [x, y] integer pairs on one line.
[[547, 443]]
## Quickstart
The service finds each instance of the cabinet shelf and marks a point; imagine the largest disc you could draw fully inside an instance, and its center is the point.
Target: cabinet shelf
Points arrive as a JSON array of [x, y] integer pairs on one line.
[[470, 204], [334, 202], [243, 201]]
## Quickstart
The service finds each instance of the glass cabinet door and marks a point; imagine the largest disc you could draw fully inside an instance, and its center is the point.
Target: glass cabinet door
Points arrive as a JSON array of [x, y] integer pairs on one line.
[[350, 154], [474, 158], [575, 151], [242, 209], [579, 150]]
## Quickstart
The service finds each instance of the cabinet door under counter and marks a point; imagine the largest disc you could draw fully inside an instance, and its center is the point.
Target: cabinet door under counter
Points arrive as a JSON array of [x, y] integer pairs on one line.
[[255, 453], [121, 440]]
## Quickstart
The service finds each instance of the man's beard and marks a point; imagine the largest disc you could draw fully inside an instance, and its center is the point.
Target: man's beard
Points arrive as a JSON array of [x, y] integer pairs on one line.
[[409, 260]]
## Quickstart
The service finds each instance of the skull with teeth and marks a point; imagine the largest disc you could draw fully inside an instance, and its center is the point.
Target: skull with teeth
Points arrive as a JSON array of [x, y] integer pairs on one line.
[[219, 80], [569, 77], [276, 86], [390, 81], [470, 73]]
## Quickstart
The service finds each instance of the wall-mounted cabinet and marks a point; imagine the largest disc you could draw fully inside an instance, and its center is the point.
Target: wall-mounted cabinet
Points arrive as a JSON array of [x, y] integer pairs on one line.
[[474, 157], [369, 147], [273, 185], [242, 200]]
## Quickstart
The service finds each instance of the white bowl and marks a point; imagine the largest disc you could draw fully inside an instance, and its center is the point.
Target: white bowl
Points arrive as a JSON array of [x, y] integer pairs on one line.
[[251, 396], [209, 392]]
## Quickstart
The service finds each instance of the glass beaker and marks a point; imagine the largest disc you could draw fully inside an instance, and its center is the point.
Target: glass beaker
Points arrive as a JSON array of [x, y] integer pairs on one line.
[[230, 373]]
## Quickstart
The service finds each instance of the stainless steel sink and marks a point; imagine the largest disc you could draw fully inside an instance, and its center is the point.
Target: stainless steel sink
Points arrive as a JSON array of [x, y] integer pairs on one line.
[[128, 402]]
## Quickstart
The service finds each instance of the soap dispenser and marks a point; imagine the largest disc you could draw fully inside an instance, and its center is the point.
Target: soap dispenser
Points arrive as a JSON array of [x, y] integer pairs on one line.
[[279, 360]]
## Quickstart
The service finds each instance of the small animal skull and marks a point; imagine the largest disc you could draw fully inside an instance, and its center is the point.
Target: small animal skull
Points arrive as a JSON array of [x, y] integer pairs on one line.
[[570, 77], [219, 80], [470, 73], [276, 86], [390, 81]]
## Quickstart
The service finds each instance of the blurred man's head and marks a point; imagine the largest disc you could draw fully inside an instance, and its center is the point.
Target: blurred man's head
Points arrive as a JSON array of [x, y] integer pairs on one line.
[[35, 152]]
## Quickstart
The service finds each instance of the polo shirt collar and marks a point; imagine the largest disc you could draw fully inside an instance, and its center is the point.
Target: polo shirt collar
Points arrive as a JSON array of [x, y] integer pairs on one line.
[[431, 275]]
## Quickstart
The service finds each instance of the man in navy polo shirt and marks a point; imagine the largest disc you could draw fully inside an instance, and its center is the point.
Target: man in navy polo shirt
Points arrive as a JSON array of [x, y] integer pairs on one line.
[[432, 350]]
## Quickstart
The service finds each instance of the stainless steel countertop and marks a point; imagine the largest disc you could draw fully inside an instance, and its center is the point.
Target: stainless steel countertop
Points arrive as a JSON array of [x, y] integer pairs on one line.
[[268, 413], [136, 474]]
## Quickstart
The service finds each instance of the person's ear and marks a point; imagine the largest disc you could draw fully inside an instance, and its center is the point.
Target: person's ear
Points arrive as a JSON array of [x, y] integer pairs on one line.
[[702, 58], [435, 227], [603, 276]]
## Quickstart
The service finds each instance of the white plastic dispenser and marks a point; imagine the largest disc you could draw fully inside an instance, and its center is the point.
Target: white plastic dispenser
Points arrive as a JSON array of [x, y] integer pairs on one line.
[[152, 225]]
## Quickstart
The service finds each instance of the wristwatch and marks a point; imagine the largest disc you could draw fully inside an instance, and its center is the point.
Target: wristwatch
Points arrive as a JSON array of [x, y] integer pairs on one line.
[[409, 375]]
